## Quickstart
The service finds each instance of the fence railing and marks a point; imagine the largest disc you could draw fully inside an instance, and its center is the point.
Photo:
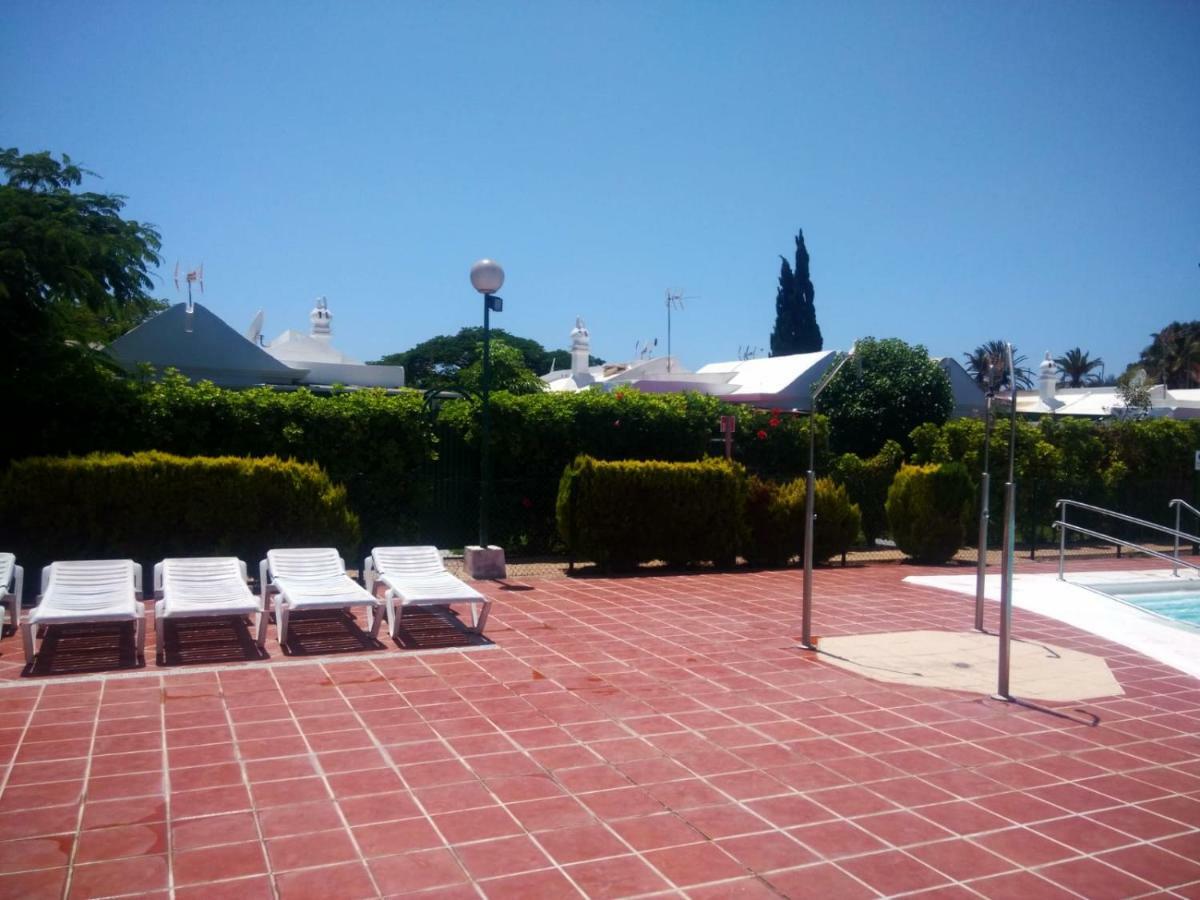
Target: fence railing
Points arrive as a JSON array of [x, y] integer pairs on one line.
[[1064, 526]]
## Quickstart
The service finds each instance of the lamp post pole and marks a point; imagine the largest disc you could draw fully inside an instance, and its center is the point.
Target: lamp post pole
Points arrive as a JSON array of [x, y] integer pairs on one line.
[[487, 277], [1010, 530]]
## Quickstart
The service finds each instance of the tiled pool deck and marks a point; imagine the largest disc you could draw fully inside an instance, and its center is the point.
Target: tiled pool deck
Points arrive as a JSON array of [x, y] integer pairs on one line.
[[636, 736]]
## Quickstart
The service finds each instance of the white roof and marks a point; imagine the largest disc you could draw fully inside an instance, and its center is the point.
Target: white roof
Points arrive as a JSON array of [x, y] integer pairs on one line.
[[298, 347], [772, 375]]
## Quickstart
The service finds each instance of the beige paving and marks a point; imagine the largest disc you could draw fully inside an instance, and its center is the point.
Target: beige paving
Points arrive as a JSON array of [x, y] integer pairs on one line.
[[967, 661]]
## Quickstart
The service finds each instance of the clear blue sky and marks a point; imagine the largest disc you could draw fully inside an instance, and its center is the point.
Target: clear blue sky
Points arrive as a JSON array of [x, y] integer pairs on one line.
[[962, 171]]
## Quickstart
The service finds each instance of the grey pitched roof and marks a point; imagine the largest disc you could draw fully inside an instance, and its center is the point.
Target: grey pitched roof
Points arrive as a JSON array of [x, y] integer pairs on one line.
[[210, 346]]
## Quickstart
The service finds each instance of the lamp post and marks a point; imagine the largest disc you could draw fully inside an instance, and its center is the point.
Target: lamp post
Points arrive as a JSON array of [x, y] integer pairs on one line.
[[1009, 539], [810, 505], [487, 277]]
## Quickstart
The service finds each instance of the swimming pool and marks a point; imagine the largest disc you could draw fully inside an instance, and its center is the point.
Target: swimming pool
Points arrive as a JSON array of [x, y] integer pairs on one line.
[[1181, 604]]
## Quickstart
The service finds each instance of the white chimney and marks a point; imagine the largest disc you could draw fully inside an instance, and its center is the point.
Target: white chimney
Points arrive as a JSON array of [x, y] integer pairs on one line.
[[580, 348], [322, 321], [1047, 380]]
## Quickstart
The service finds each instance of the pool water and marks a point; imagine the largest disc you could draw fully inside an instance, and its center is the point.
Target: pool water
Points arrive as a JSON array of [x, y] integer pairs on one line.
[[1180, 605]]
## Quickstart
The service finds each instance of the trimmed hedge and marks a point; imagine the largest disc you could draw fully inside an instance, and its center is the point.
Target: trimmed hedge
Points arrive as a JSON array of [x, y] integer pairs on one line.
[[775, 521], [928, 508], [867, 482], [150, 506], [627, 512]]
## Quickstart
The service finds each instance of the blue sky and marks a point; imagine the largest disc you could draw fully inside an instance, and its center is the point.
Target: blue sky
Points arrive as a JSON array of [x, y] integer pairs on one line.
[[962, 171]]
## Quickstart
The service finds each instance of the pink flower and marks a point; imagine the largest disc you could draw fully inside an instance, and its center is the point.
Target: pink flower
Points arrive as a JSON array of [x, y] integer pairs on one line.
[[617, 424], [762, 435], [774, 423]]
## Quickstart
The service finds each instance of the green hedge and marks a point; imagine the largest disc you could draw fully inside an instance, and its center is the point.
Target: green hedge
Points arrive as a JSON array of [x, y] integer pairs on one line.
[[150, 506], [928, 508], [775, 521], [867, 482], [626, 512]]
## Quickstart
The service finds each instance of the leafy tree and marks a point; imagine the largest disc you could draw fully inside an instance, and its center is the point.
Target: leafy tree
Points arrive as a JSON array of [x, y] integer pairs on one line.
[[73, 272], [1133, 388], [509, 372], [70, 267], [436, 363], [988, 365], [796, 329], [1077, 367], [1173, 358], [890, 389]]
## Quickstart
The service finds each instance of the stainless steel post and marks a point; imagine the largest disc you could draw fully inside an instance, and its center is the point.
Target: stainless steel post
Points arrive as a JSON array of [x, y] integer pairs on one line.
[[810, 492], [981, 562], [1062, 538], [1006, 574], [1175, 565]]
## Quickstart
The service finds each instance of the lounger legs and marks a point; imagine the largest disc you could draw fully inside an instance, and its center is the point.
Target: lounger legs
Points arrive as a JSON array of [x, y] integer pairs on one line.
[[261, 622], [281, 622], [479, 617], [27, 636]]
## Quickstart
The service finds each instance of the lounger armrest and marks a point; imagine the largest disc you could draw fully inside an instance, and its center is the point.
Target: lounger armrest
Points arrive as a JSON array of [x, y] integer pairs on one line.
[[137, 580], [158, 580], [46, 577], [369, 575], [18, 589], [264, 581]]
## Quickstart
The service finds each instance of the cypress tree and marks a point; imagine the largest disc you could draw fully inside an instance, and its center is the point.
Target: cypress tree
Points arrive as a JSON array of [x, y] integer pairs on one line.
[[796, 329]]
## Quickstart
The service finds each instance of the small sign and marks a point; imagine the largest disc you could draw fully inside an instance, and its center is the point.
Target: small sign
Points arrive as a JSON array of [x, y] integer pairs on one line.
[[729, 426]]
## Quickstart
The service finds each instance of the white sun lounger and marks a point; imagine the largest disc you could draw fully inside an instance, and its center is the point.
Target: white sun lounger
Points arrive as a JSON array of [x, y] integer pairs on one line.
[[416, 576], [312, 578], [205, 586], [78, 592], [12, 583]]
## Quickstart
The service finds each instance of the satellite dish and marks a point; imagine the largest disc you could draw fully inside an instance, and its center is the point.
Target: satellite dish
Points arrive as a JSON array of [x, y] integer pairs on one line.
[[254, 332]]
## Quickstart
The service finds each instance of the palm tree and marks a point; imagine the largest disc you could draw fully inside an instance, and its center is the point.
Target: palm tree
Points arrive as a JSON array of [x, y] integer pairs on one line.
[[988, 365], [1174, 357], [1077, 366]]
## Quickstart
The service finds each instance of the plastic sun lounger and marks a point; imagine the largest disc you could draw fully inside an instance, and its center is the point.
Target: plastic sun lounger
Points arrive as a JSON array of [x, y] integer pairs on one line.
[[97, 590], [313, 578], [416, 576], [205, 586], [12, 583]]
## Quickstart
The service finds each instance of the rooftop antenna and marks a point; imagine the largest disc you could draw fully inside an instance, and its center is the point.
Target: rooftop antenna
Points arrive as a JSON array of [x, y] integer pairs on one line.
[[192, 276], [674, 301], [748, 351], [644, 349]]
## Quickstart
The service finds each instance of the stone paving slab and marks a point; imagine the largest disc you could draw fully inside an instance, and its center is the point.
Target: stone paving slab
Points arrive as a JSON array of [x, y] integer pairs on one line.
[[644, 736]]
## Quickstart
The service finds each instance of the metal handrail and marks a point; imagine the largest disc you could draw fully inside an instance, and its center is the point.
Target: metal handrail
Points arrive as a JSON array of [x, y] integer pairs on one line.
[[1180, 505], [1063, 525]]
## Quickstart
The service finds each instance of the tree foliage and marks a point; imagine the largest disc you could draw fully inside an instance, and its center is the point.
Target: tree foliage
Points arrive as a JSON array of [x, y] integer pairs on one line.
[[437, 362], [71, 268], [796, 329], [1173, 357], [988, 365], [889, 389], [1077, 367], [509, 372]]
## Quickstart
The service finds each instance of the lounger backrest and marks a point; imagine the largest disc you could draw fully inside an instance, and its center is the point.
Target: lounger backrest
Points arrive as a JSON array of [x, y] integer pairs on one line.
[[85, 583], [401, 561], [7, 561], [314, 562], [208, 569]]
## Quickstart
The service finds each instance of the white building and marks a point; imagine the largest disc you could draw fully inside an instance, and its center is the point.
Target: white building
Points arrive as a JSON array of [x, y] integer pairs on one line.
[[201, 346], [1100, 401]]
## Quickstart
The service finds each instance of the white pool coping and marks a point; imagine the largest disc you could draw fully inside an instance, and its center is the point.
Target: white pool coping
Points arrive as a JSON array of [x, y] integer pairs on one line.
[[1076, 603]]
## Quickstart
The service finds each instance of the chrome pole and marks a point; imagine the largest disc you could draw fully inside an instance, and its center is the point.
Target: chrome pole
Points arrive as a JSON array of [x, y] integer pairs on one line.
[[1010, 527], [984, 490], [1062, 539], [1175, 565]]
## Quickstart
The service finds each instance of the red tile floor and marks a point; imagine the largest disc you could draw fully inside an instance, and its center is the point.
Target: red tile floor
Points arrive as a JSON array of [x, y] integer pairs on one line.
[[624, 737]]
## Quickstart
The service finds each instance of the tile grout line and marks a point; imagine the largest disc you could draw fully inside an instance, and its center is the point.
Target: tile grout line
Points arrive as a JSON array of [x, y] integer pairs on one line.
[[83, 799], [241, 763]]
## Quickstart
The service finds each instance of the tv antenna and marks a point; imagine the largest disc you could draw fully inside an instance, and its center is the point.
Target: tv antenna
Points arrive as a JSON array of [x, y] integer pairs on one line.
[[192, 276], [644, 349], [748, 351], [674, 301]]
